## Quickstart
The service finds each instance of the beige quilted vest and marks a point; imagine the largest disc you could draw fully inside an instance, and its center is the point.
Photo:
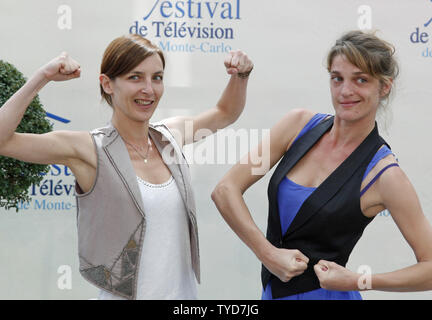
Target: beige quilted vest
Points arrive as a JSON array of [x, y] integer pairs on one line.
[[110, 217]]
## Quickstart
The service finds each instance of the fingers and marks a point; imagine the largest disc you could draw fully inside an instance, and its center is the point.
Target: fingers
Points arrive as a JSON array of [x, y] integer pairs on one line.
[[237, 62], [69, 66], [323, 265], [321, 270], [231, 69], [227, 61], [298, 265], [300, 256]]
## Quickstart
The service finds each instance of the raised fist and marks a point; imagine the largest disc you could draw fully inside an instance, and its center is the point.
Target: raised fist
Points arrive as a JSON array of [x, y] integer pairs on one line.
[[237, 62], [61, 68]]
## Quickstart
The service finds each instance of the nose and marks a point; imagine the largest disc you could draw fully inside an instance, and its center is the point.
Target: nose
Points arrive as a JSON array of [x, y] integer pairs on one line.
[[346, 89], [147, 87]]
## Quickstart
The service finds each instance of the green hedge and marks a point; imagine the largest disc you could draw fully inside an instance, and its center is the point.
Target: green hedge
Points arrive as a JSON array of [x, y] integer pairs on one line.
[[16, 177]]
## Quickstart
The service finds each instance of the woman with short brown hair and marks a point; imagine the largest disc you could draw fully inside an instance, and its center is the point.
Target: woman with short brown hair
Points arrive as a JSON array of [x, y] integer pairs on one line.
[[137, 231]]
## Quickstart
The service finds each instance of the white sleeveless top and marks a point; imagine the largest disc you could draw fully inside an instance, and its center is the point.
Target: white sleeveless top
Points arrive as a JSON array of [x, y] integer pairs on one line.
[[165, 270]]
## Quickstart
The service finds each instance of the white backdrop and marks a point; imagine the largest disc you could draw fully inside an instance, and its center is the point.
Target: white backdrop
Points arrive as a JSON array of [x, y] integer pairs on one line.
[[287, 40]]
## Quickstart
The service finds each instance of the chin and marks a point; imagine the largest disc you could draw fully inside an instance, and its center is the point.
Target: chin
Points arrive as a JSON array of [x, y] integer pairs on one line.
[[143, 115], [352, 115]]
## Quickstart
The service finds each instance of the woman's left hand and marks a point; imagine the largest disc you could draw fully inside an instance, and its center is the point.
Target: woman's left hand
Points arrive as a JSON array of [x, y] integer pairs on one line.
[[335, 277], [237, 62]]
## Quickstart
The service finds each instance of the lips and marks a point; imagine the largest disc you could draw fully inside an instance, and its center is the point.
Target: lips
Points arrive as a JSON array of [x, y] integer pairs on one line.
[[348, 104], [144, 103]]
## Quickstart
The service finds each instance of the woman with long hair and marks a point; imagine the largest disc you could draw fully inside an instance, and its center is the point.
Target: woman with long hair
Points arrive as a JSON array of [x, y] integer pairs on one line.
[[334, 176]]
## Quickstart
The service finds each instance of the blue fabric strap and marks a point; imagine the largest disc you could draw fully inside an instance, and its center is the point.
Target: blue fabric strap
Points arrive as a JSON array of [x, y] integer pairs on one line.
[[376, 177]]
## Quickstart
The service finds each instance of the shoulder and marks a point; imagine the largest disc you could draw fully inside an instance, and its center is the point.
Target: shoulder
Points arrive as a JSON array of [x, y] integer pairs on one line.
[[107, 130], [393, 176], [382, 158], [392, 182], [291, 124], [161, 125], [294, 120], [380, 164], [172, 133], [299, 115]]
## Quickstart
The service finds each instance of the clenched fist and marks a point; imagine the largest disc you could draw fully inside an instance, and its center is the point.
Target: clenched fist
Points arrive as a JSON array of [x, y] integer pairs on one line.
[[335, 277], [61, 68], [286, 264], [237, 62]]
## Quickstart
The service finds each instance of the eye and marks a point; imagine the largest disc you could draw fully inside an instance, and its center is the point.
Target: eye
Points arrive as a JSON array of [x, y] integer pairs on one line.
[[134, 77], [158, 77], [362, 80], [336, 79]]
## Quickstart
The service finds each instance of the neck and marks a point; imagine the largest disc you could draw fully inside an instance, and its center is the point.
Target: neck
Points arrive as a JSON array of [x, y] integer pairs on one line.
[[130, 130], [345, 133]]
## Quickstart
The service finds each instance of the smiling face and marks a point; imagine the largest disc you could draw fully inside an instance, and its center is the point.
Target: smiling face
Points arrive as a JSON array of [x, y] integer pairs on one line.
[[136, 94], [355, 94]]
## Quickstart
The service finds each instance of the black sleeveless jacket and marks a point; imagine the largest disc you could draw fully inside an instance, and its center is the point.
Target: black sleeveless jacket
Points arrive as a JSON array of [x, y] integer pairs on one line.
[[330, 221]]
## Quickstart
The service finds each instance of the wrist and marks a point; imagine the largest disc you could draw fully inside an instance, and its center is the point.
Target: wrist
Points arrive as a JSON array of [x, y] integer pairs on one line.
[[39, 80], [266, 253], [41, 76], [244, 75], [363, 281]]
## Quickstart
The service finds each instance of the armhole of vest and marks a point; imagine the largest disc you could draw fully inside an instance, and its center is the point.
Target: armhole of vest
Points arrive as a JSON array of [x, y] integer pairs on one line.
[[178, 146], [83, 195], [385, 154]]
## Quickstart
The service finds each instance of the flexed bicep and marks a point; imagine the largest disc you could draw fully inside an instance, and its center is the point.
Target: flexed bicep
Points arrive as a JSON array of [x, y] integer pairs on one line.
[[73, 149], [57, 147]]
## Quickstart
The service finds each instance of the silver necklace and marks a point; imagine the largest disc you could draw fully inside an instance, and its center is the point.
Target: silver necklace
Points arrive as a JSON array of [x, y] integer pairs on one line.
[[138, 147]]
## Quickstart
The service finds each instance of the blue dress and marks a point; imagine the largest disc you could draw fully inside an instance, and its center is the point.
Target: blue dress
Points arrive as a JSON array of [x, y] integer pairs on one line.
[[291, 197]]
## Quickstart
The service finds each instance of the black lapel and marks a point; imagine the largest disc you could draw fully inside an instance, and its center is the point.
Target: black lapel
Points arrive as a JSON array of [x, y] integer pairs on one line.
[[298, 149], [329, 187]]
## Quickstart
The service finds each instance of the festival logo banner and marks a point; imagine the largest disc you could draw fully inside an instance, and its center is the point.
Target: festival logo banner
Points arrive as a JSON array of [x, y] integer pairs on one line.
[[189, 26]]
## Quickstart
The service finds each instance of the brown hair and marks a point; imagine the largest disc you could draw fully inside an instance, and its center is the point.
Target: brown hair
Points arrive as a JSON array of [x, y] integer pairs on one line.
[[367, 52], [125, 53]]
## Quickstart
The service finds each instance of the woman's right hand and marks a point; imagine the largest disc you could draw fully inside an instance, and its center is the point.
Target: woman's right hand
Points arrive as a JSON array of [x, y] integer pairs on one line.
[[61, 68], [286, 263]]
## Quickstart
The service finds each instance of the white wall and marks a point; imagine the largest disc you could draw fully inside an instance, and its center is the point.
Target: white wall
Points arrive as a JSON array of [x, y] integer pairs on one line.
[[288, 41]]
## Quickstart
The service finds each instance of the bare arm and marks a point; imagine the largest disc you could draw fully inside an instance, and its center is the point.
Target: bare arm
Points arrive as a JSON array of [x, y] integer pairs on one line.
[[228, 197], [227, 110], [400, 198], [74, 149], [397, 195], [45, 148], [13, 110]]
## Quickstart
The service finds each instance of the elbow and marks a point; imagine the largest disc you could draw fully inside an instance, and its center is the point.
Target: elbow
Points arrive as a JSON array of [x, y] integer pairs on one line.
[[218, 192], [220, 197], [6, 139], [3, 143], [235, 115], [228, 115], [221, 192]]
